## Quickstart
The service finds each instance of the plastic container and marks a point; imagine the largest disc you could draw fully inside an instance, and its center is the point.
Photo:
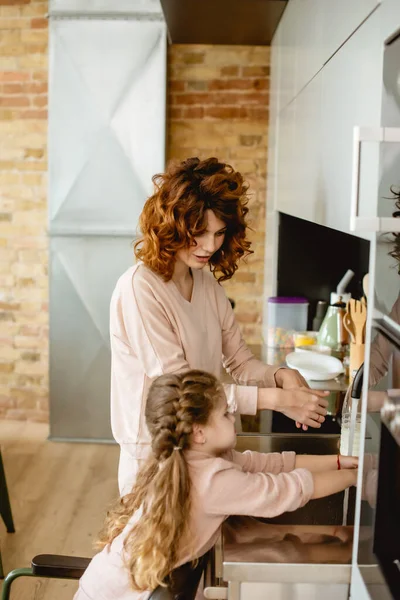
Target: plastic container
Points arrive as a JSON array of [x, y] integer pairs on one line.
[[286, 315]]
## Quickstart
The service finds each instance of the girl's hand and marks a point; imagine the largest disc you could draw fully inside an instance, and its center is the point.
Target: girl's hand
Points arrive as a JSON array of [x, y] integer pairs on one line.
[[303, 405], [348, 462]]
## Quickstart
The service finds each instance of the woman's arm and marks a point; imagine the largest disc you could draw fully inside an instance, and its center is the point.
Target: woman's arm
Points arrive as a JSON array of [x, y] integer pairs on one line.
[[280, 389]]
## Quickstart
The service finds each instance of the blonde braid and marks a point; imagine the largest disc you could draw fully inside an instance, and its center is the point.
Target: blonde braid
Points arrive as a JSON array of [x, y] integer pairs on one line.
[[162, 490]]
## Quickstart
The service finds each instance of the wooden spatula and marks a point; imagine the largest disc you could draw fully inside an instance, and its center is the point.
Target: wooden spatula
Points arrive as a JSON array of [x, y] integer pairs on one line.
[[358, 313]]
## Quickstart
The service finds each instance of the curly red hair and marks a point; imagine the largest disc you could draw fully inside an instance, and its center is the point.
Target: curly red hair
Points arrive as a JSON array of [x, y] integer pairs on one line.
[[176, 213]]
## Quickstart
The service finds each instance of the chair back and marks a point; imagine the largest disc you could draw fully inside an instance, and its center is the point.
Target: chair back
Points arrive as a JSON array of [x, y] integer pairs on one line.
[[183, 582]]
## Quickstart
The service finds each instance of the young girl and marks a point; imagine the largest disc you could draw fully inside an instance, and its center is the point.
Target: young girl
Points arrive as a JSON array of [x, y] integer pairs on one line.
[[168, 314], [192, 481]]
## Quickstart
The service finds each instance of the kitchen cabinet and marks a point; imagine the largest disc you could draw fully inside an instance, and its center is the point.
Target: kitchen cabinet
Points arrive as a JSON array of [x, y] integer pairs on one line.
[[339, 19], [285, 159], [311, 32], [351, 96], [305, 199]]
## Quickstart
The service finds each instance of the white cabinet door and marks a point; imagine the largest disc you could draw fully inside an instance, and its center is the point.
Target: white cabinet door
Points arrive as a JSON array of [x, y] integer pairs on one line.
[[285, 159], [351, 96], [339, 20], [287, 42], [299, 156], [312, 31], [307, 199]]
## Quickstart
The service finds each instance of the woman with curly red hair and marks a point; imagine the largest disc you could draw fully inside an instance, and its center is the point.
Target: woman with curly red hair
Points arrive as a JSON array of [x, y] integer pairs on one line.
[[168, 314]]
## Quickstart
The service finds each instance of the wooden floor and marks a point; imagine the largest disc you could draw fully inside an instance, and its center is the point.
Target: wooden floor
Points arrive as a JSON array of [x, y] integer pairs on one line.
[[59, 493]]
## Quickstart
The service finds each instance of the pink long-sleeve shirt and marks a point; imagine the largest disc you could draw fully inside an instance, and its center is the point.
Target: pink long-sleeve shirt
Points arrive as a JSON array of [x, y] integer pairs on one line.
[[248, 483], [154, 330]]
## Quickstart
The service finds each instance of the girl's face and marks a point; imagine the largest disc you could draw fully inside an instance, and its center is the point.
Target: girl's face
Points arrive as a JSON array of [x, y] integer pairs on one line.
[[218, 434], [198, 255]]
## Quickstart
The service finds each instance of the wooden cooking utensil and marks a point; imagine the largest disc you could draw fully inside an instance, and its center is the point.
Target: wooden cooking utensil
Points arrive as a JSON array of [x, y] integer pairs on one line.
[[358, 315], [349, 326]]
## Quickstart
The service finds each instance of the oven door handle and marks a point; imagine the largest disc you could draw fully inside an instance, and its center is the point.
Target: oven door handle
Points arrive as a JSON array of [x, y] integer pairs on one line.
[[212, 590]]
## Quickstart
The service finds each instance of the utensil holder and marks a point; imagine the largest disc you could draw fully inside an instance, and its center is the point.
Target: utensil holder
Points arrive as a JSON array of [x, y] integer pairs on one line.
[[357, 352]]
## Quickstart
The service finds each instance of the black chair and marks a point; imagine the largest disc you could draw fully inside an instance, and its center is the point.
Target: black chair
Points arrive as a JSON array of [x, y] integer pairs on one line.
[[182, 583]]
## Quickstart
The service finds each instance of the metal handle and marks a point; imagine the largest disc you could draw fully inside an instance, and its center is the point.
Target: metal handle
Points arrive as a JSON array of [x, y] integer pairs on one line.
[[211, 588], [369, 224]]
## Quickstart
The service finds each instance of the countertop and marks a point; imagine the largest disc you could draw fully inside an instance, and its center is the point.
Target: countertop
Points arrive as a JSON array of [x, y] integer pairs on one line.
[[289, 548], [277, 356]]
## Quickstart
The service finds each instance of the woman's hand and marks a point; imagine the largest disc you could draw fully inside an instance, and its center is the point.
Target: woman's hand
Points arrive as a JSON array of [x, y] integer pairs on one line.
[[300, 404], [348, 462], [305, 406], [288, 379]]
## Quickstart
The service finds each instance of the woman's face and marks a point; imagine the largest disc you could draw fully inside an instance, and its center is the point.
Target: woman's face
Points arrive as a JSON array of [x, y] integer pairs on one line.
[[198, 255]]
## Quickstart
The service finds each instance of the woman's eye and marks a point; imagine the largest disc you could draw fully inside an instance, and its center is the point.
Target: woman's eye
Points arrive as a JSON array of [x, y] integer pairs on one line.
[[221, 233]]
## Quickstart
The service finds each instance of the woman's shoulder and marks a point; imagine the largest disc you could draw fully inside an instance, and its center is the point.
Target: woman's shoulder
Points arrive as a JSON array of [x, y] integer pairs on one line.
[[138, 276], [210, 283]]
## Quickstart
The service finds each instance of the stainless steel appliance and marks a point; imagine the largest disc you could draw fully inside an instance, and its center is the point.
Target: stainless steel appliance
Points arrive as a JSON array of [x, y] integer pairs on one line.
[[376, 557]]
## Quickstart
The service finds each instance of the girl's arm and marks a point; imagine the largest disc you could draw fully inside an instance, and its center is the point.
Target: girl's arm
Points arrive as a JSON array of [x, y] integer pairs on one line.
[[329, 482], [329, 462]]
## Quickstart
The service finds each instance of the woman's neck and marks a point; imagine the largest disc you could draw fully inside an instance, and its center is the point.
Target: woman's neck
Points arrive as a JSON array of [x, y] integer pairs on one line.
[[182, 273]]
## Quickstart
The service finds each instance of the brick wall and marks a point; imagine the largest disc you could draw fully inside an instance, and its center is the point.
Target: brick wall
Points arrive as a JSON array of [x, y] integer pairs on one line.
[[218, 106], [23, 211]]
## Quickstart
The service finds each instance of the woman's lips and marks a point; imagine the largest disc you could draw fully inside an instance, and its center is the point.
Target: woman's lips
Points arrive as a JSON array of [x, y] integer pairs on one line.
[[202, 258]]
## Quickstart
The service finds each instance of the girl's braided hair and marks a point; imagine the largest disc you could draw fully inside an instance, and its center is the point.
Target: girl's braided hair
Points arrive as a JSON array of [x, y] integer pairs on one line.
[[162, 490]]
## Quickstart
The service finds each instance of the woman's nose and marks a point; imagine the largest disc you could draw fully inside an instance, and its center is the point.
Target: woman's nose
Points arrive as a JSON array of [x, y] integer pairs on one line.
[[209, 244]]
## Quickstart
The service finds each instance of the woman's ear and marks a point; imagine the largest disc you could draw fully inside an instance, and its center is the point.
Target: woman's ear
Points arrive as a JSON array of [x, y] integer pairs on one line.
[[198, 434]]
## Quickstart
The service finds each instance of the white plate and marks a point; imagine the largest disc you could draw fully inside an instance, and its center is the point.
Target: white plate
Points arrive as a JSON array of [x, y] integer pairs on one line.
[[314, 348], [314, 366]]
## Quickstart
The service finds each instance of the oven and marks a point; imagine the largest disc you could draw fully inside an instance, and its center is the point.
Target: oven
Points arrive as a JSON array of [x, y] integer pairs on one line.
[[386, 537], [378, 548]]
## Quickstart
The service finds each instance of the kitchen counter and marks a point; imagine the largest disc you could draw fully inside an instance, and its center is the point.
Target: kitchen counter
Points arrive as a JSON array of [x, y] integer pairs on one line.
[[277, 356], [266, 421], [284, 556]]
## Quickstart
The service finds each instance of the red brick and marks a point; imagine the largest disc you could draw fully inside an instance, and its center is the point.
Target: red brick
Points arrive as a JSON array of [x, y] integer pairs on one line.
[[175, 113], [256, 113], [13, 2], [193, 99], [256, 71], [35, 88], [14, 101], [230, 70], [14, 76], [176, 86], [193, 112], [238, 84], [225, 112], [39, 23], [193, 58], [33, 114], [40, 101], [12, 88], [39, 75]]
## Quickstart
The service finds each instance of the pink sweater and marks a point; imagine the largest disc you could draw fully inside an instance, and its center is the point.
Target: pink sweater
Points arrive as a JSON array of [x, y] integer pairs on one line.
[[154, 330], [248, 483]]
